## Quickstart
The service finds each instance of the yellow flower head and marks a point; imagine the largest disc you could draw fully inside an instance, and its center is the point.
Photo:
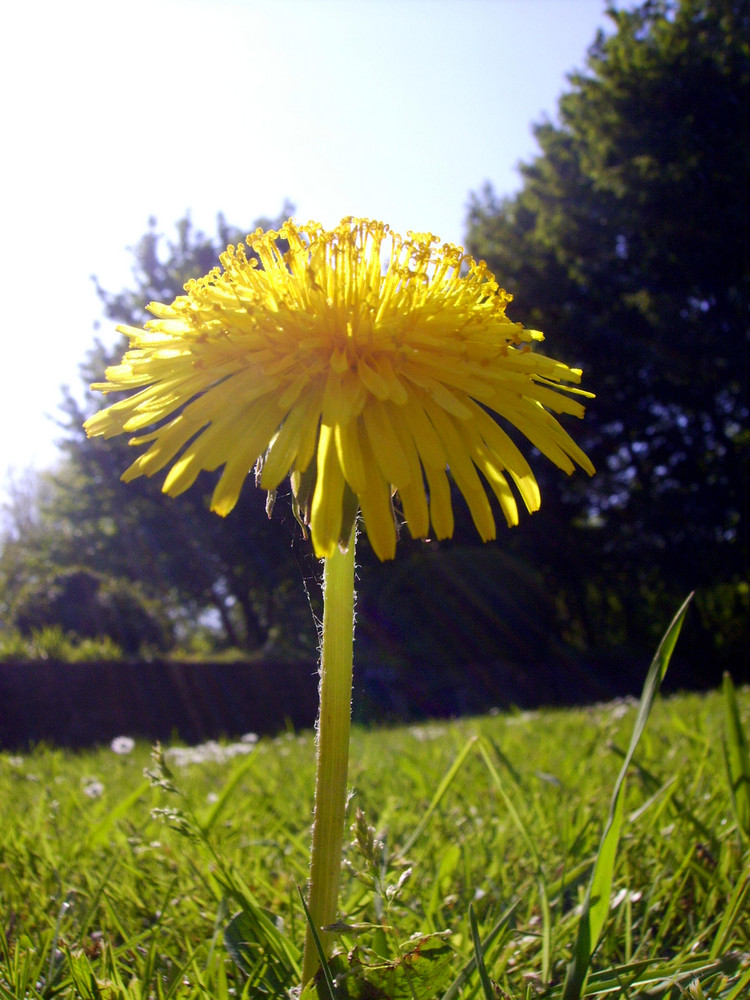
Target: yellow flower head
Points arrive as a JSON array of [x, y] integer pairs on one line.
[[364, 364]]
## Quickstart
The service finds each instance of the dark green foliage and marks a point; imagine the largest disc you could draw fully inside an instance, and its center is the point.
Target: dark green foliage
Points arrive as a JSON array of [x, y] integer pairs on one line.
[[628, 245], [91, 606]]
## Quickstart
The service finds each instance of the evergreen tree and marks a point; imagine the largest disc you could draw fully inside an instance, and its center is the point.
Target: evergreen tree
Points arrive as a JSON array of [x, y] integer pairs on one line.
[[628, 244]]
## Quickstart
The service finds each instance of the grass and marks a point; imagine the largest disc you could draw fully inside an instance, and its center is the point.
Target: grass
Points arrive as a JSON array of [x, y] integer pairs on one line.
[[473, 851]]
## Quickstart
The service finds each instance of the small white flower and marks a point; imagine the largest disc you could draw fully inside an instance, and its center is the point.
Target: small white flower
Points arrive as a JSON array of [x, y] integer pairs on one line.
[[619, 709], [93, 789], [123, 744]]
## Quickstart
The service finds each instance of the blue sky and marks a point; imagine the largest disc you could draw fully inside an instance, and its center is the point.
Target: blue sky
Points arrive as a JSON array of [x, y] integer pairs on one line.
[[393, 109]]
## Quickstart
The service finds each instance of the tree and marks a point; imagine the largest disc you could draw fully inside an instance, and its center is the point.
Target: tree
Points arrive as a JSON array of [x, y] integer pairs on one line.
[[92, 606], [239, 571], [628, 244]]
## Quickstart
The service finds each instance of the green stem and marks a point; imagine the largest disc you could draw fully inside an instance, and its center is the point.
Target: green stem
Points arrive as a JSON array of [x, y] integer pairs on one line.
[[334, 723]]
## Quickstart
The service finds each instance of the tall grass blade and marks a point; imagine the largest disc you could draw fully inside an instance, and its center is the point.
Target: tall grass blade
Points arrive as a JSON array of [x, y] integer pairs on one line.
[[437, 797], [737, 758], [308, 990], [514, 814], [100, 833], [523, 829], [735, 909], [505, 921], [225, 796], [489, 993], [257, 947], [596, 900]]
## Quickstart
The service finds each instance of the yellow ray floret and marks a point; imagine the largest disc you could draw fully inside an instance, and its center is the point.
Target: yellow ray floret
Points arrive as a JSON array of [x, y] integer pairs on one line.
[[367, 366]]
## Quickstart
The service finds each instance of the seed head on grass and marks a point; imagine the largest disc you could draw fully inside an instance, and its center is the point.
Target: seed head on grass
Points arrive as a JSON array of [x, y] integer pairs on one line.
[[360, 363]]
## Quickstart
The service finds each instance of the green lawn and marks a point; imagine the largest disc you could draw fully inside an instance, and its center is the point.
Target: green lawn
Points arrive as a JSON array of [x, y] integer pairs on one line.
[[112, 886]]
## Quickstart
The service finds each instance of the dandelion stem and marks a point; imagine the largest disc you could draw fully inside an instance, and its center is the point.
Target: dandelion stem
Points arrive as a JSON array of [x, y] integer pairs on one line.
[[334, 723]]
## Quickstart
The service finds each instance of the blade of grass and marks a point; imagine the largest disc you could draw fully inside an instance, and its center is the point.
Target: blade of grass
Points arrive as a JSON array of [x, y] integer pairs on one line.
[[596, 900], [82, 976], [735, 907], [489, 993], [249, 942], [258, 926], [309, 991], [646, 974], [737, 758], [531, 847], [99, 834], [437, 797], [528, 840], [506, 920], [685, 811], [738, 990], [673, 890], [225, 796]]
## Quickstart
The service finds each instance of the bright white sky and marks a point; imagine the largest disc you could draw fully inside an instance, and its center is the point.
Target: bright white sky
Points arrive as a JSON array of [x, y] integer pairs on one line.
[[114, 111]]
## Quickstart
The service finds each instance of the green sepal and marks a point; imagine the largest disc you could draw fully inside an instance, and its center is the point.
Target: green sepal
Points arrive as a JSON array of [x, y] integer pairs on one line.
[[303, 487]]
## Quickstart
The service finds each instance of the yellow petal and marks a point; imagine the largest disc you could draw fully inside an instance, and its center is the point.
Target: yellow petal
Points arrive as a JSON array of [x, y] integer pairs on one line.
[[416, 512], [327, 503], [377, 509], [286, 445], [441, 508], [349, 447], [387, 447]]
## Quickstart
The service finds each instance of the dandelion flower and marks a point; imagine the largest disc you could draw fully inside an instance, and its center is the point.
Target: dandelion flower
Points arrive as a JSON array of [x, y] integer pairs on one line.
[[365, 366], [93, 789], [123, 745]]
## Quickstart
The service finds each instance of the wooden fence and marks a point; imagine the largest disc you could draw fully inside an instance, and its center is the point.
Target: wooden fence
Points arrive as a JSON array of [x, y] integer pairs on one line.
[[83, 704]]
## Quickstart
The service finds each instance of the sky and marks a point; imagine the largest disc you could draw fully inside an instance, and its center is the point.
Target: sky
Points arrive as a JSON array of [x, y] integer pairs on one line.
[[115, 112]]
